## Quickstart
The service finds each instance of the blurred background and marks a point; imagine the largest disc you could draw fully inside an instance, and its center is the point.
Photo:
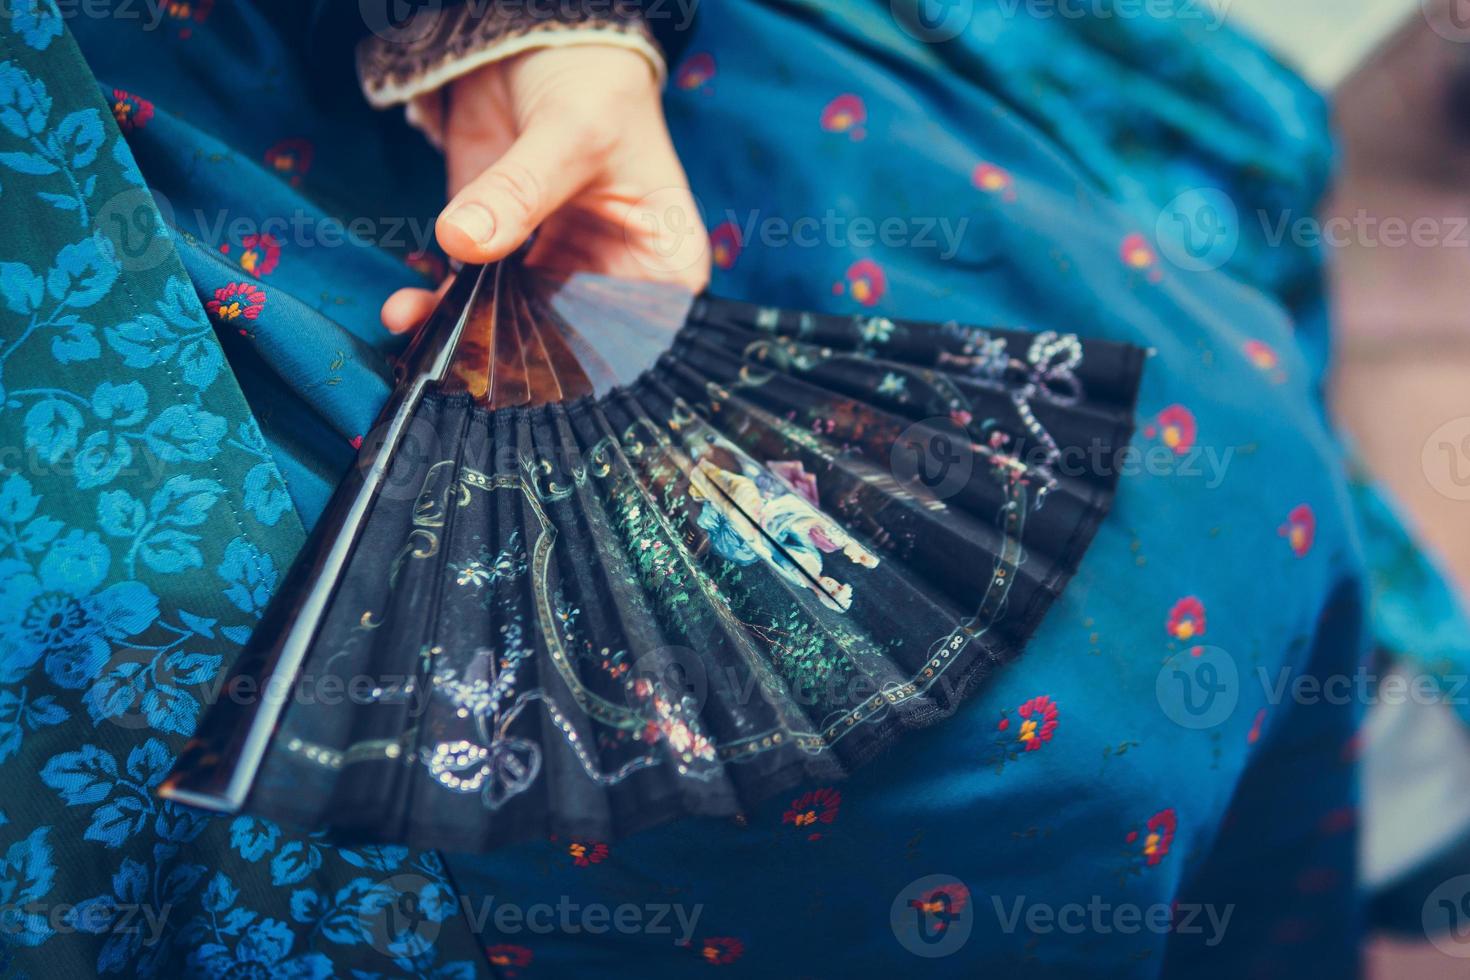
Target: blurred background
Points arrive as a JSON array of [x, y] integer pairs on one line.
[[1398, 74]]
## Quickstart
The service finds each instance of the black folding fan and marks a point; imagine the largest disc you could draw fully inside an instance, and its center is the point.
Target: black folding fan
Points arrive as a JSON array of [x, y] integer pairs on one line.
[[614, 555]]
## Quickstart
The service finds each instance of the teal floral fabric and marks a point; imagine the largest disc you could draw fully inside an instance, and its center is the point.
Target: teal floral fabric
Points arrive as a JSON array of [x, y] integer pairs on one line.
[[143, 527]]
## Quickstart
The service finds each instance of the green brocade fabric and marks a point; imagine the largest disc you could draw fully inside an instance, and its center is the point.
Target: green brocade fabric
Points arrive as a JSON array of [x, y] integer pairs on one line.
[[139, 541]]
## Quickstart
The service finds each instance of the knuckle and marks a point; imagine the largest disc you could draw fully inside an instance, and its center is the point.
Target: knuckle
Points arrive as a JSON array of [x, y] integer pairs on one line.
[[518, 187]]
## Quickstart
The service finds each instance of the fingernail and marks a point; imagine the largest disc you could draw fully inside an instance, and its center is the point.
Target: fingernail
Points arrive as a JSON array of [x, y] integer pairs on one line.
[[474, 220]]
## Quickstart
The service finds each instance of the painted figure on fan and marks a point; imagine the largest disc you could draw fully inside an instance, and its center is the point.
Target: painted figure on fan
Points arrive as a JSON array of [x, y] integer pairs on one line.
[[750, 513]]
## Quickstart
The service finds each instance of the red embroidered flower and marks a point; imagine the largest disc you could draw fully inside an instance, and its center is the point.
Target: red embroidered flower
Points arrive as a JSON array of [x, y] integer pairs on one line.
[[585, 853], [1262, 355], [261, 254], [697, 70], [1158, 838], [866, 282], [131, 112], [721, 950], [236, 301], [725, 244], [1175, 425], [291, 158], [845, 114], [1038, 722], [944, 903], [1186, 619], [186, 12], [1254, 734], [1138, 254], [993, 180], [812, 808], [1300, 530], [509, 958]]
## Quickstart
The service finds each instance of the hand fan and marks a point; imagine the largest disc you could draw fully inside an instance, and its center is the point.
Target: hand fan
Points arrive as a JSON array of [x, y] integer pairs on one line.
[[617, 555]]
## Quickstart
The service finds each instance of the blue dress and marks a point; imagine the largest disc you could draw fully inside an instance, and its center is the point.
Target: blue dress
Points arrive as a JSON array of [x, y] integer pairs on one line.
[[1147, 791]]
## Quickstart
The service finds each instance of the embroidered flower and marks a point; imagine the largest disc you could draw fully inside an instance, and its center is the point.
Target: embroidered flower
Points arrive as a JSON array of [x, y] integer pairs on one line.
[[235, 301], [721, 950], [812, 808], [1139, 255], [1254, 734], [725, 244], [1186, 619], [291, 158], [187, 12], [993, 180], [1300, 530], [892, 384], [1175, 426], [587, 853], [696, 71], [508, 958], [131, 112], [845, 114], [1158, 836], [865, 282], [1038, 722], [942, 904], [261, 254], [1262, 355]]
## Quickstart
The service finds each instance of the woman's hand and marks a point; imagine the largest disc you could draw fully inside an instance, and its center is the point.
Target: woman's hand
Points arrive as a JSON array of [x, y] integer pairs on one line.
[[571, 141]]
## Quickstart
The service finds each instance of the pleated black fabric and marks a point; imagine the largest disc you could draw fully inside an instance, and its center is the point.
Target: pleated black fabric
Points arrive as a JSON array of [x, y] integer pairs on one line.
[[790, 541]]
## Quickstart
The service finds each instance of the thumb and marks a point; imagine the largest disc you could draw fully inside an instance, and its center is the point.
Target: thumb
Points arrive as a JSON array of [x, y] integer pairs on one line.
[[494, 213]]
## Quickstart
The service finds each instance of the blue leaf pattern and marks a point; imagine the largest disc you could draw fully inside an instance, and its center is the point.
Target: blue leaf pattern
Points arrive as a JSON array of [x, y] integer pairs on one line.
[[140, 541]]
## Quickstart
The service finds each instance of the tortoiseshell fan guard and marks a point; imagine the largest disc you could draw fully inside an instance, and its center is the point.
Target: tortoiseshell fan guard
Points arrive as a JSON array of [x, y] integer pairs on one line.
[[547, 603]]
